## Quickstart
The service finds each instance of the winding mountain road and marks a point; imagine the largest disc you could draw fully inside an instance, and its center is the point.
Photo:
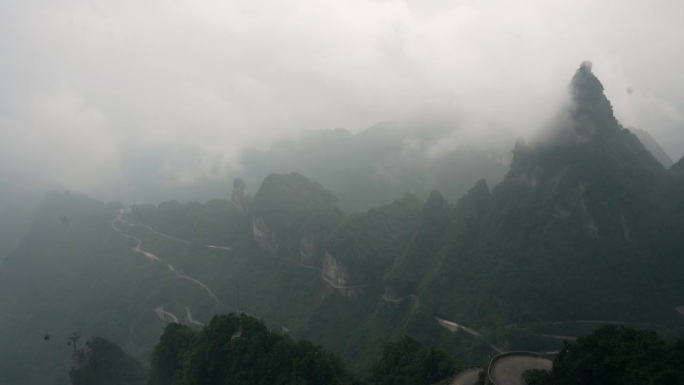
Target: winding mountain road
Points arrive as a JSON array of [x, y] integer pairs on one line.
[[159, 310], [415, 298], [509, 369], [188, 317], [324, 278], [151, 229], [454, 327], [196, 282], [466, 377], [218, 247], [162, 314], [153, 257], [506, 369]]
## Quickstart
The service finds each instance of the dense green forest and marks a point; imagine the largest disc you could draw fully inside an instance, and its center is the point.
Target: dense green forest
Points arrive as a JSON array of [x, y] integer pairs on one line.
[[103, 362], [242, 350], [616, 355]]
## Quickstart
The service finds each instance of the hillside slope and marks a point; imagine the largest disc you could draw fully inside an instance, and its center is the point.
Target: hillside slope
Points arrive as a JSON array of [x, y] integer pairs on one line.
[[585, 226]]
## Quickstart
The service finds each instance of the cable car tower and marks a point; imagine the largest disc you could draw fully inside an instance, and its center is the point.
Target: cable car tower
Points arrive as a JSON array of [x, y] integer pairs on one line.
[[72, 339]]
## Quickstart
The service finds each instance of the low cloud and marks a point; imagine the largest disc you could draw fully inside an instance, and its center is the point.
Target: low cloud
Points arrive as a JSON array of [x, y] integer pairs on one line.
[[87, 88], [62, 141]]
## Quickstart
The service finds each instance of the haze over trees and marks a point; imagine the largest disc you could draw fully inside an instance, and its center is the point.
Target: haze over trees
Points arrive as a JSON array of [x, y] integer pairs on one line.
[[617, 355], [104, 363], [584, 229]]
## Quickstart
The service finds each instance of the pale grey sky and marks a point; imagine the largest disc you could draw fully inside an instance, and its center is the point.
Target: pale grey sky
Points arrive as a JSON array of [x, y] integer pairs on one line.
[[90, 88]]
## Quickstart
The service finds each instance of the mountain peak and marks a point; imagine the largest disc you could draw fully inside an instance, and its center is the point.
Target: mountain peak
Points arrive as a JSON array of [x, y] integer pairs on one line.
[[586, 136], [592, 110], [585, 86]]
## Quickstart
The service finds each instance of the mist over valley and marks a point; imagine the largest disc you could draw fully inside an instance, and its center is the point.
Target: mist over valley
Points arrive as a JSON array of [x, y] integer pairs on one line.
[[389, 192]]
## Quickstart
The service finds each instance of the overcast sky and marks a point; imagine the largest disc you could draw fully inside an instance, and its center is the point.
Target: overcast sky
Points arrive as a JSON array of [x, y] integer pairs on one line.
[[90, 90]]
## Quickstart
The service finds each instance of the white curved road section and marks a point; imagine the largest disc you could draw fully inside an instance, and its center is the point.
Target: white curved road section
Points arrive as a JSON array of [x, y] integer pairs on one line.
[[188, 317], [413, 297], [466, 377], [218, 247], [506, 370], [153, 257], [509, 370], [162, 314], [453, 326], [148, 255], [196, 282], [178, 274]]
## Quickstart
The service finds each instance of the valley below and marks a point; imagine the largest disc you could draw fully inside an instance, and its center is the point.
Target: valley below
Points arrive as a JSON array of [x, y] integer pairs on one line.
[[583, 233]]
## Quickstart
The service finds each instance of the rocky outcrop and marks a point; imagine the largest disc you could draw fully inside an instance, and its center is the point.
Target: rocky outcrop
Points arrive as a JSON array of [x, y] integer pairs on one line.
[[339, 278], [292, 207], [588, 222], [339, 275], [390, 294], [307, 248], [263, 235], [335, 272]]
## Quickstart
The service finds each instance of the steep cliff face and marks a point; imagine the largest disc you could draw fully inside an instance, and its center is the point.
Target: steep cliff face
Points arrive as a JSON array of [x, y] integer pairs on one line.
[[370, 241], [588, 169], [292, 215], [308, 248], [340, 277], [263, 235], [410, 266], [238, 197], [580, 214]]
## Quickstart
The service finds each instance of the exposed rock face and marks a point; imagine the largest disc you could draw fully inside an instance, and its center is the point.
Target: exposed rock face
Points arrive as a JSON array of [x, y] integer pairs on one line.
[[588, 167], [588, 221], [307, 248], [390, 293], [292, 207], [263, 235], [338, 274], [237, 197]]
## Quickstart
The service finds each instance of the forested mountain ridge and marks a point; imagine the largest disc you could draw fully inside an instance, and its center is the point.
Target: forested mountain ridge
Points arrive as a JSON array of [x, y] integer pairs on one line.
[[616, 355], [585, 202], [241, 350], [579, 221], [586, 225], [289, 210], [379, 164]]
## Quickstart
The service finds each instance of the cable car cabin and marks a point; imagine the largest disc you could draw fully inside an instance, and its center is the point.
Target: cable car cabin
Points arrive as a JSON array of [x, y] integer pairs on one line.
[[46, 337]]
